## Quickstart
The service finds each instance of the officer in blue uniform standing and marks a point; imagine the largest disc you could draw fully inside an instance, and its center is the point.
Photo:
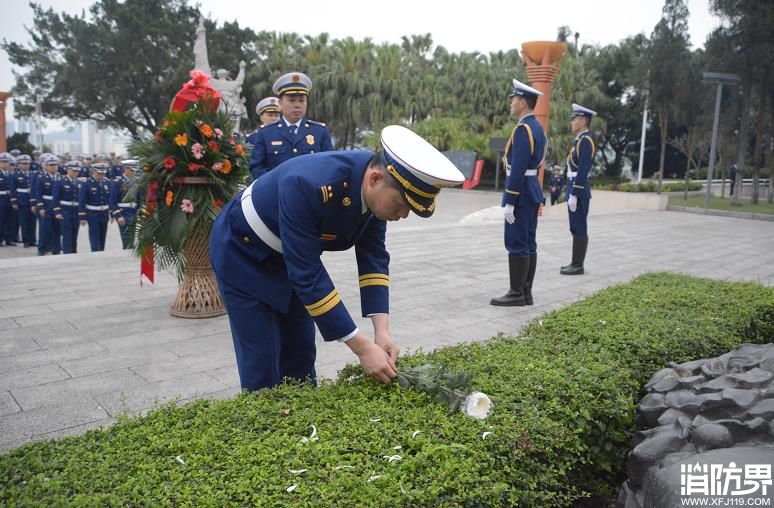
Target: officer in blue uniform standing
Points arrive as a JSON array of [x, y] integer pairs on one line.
[[268, 110], [123, 207], [66, 206], [524, 153], [293, 134], [50, 236], [578, 188], [21, 199], [555, 185], [7, 221], [266, 244], [93, 205]]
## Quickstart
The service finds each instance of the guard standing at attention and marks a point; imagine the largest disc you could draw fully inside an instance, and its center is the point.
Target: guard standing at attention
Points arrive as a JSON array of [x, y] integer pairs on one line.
[[93, 205], [123, 207], [66, 206]]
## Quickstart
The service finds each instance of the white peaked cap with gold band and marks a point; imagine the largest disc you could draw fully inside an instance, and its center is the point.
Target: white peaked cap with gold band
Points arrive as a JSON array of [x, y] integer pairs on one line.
[[293, 83], [419, 167], [578, 110], [520, 88], [267, 104]]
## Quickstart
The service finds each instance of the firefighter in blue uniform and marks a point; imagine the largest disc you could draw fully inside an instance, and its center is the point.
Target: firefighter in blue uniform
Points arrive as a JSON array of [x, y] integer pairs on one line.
[[266, 244], [21, 199], [93, 205], [578, 188], [555, 185], [7, 232], [123, 207], [268, 111], [66, 206], [50, 237], [293, 134], [523, 196]]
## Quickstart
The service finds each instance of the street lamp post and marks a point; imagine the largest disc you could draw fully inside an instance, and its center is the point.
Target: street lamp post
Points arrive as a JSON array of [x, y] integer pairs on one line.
[[720, 79]]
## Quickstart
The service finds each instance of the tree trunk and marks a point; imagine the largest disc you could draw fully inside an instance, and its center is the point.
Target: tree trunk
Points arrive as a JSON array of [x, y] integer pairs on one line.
[[742, 142], [770, 160], [663, 122], [759, 124]]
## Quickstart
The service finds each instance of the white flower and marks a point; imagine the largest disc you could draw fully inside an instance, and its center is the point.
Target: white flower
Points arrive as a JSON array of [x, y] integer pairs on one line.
[[292, 487], [374, 477], [483, 436], [313, 437], [297, 471], [180, 460], [393, 458], [477, 405]]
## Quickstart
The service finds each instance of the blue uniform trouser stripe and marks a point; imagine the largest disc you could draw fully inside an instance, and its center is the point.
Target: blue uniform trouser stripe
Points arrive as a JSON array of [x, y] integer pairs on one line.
[[98, 222], [520, 237], [27, 224], [578, 222], [269, 345], [70, 225]]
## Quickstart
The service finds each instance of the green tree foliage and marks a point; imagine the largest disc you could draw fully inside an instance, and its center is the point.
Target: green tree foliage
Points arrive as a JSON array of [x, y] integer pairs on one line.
[[20, 141]]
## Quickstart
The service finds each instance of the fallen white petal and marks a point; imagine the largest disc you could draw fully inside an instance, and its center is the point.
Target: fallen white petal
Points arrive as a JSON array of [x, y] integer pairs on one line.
[[297, 471], [292, 488], [416, 433], [314, 432], [399, 447], [393, 458], [180, 460], [375, 419], [344, 467], [483, 436], [375, 477], [540, 322]]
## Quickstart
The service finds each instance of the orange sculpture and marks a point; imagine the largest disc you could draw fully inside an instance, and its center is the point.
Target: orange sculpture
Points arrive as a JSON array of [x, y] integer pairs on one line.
[[3, 101], [542, 59]]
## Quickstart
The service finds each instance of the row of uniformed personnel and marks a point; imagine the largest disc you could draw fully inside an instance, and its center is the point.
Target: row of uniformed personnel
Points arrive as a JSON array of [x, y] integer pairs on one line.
[[60, 198]]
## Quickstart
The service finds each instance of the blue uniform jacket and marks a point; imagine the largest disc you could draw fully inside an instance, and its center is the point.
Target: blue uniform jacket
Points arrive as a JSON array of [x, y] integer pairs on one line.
[[525, 150], [313, 204], [579, 161], [43, 190], [118, 190], [93, 193], [557, 183], [274, 144], [5, 188], [21, 189], [65, 189]]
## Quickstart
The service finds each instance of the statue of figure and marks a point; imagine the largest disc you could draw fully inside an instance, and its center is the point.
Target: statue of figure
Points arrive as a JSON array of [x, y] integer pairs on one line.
[[231, 102], [201, 61], [230, 90]]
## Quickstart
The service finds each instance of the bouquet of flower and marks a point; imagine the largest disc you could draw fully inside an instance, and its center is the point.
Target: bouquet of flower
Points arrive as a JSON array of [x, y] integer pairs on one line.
[[444, 387], [192, 166]]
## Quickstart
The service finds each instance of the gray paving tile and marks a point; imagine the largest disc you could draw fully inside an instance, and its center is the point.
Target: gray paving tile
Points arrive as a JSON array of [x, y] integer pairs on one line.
[[115, 360], [44, 356], [31, 376], [7, 404], [169, 369], [37, 422]]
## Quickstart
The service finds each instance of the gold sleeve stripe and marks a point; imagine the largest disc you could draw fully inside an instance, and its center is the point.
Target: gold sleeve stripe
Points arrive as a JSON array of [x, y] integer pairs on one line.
[[326, 307], [323, 301], [374, 276], [374, 282], [513, 192], [531, 139]]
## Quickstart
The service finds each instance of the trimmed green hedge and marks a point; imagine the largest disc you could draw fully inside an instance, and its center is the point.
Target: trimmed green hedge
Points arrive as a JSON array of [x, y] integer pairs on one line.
[[649, 187], [563, 395]]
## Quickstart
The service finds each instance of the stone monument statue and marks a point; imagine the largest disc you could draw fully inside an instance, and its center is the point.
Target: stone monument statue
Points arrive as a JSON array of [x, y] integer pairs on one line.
[[232, 102]]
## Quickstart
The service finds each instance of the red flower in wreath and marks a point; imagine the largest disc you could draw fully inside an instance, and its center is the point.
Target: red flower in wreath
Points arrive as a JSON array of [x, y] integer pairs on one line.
[[240, 150], [217, 204], [169, 162], [213, 146], [192, 167]]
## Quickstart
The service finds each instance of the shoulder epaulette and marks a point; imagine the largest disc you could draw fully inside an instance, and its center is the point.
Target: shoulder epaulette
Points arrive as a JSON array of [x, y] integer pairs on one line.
[[315, 122]]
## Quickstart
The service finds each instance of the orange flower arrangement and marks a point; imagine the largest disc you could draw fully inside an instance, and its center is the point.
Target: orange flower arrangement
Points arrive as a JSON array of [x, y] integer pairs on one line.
[[240, 150], [214, 146], [169, 198], [226, 167], [181, 139], [206, 130]]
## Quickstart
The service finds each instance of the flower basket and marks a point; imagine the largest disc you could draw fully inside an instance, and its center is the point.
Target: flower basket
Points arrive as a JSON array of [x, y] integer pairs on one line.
[[192, 165]]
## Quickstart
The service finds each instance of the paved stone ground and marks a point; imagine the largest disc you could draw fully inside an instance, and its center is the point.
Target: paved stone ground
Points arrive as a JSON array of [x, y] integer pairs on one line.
[[82, 342]]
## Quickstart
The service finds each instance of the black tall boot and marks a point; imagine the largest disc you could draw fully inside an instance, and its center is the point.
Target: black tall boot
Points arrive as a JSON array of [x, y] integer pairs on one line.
[[578, 256], [517, 269], [530, 278]]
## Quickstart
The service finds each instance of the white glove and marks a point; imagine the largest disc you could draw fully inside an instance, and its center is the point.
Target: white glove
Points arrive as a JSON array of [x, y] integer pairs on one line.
[[572, 203], [510, 218]]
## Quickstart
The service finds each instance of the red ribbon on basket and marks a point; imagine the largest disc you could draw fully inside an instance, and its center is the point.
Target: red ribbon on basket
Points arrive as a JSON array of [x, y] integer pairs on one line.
[[196, 89], [146, 262]]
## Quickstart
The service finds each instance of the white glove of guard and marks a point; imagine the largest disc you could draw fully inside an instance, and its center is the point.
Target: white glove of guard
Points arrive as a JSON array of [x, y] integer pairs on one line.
[[572, 203], [510, 218]]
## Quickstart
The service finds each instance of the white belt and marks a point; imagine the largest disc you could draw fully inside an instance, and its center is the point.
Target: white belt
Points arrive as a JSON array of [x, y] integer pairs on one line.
[[572, 174], [48, 198], [3, 192], [23, 191], [531, 172], [95, 208], [68, 203], [256, 224], [127, 205]]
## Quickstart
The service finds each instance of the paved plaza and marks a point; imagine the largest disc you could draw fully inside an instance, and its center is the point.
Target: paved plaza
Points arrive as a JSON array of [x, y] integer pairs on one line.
[[82, 342]]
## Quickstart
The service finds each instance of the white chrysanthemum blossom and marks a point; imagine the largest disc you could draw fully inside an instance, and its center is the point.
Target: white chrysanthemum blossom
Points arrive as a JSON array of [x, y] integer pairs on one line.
[[477, 405]]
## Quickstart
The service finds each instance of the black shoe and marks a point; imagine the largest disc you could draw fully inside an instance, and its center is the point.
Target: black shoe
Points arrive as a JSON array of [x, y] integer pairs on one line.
[[579, 246], [530, 278], [517, 270]]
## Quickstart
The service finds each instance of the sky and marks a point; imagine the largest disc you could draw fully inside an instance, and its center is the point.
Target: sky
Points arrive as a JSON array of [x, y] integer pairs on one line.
[[483, 25]]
